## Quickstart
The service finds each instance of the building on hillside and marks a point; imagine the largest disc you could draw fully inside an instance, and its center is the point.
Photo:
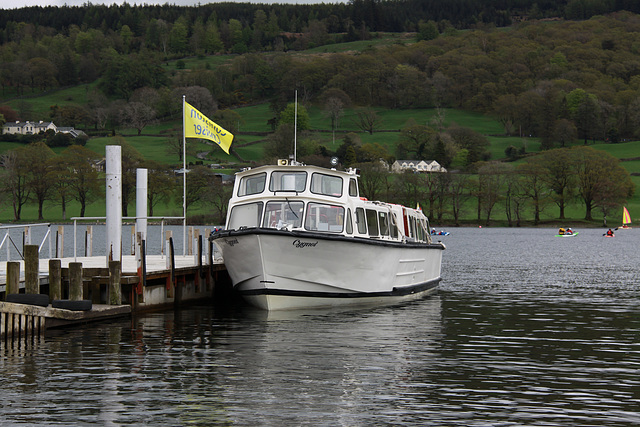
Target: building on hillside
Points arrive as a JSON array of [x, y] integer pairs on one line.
[[33, 128], [71, 131], [417, 166], [28, 128]]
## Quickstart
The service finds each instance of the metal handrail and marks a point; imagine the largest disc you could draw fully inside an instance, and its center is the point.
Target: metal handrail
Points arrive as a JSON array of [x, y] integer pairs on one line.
[[28, 226], [97, 218]]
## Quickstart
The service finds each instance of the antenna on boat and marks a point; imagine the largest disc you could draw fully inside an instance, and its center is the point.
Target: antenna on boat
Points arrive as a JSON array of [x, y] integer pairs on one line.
[[295, 131]]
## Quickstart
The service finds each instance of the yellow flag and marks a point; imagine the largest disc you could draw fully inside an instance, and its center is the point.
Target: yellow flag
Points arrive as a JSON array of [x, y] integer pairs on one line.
[[197, 125]]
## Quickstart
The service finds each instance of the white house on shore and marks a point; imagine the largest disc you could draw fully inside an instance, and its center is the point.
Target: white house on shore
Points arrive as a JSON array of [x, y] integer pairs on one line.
[[28, 128], [417, 166]]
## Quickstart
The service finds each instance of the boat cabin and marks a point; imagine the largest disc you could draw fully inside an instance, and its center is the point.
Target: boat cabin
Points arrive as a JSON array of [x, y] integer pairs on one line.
[[319, 200]]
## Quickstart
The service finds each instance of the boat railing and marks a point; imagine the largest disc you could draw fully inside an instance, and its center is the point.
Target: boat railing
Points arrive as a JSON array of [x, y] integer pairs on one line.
[[8, 242]]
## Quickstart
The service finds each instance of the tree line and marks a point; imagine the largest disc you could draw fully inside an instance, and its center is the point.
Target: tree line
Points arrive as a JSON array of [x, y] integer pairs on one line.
[[261, 24], [35, 174], [555, 179]]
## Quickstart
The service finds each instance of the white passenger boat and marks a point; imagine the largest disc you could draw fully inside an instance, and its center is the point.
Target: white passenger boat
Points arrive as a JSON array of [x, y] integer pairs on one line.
[[301, 236]]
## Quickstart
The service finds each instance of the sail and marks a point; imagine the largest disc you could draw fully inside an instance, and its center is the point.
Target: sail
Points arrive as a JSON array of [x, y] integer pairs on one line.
[[626, 218]]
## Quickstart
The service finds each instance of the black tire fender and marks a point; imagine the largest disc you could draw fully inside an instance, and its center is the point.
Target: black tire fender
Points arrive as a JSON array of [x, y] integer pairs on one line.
[[81, 305], [41, 300]]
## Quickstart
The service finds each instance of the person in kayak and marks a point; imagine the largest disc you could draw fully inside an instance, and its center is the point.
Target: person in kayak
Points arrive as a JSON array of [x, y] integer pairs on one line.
[[610, 232]]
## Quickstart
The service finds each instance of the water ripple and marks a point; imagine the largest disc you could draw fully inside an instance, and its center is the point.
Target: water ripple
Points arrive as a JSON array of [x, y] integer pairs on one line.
[[527, 330]]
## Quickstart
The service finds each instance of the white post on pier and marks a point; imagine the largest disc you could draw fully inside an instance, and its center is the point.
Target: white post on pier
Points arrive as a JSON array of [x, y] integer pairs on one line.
[[141, 202], [114, 202]]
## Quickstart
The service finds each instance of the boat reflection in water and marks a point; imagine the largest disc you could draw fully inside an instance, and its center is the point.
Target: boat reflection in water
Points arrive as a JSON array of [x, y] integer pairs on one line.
[[301, 236]]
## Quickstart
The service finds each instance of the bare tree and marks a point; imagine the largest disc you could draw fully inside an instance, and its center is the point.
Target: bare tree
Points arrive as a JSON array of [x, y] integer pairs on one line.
[[138, 115], [459, 192], [173, 145], [491, 177], [217, 195], [533, 186], [334, 109], [15, 177], [61, 177], [161, 186], [367, 119], [373, 180], [38, 157], [84, 184]]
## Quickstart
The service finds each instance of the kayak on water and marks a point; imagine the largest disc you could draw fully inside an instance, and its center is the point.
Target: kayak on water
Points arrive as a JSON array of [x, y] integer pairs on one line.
[[575, 233]]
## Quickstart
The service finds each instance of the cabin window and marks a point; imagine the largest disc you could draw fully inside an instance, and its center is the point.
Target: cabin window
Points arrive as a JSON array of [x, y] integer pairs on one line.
[[412, 227], [424, 227], [353, 187], [361, 221], [245, 215], [321, 217], [383, 220], [349, 223], [372, 222], [288, 181], [394, 226], [327, 185], [253, 184], [283, 213], [427, 233]]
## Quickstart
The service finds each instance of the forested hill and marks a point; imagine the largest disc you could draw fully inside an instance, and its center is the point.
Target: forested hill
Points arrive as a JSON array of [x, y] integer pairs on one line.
[[353, 17], [554, 79]]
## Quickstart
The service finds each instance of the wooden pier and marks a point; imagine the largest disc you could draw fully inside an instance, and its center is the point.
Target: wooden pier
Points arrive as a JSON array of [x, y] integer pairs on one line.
[[119, 289]]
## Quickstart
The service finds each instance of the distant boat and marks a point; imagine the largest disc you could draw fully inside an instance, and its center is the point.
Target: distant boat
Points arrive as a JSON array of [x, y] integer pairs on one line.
[[626, 219]]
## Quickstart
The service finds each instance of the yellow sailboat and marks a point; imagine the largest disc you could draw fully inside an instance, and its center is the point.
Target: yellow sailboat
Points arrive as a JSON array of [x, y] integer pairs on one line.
[[626, 219]]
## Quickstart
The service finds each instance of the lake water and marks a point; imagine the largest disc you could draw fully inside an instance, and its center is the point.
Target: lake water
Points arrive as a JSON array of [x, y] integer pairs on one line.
[[527, 329]]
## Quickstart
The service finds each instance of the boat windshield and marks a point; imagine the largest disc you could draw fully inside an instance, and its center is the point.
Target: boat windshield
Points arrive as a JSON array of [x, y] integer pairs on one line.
[[288, 181], [279, 214], [245, 215], [252, 184], [322, 217], [327, 185]]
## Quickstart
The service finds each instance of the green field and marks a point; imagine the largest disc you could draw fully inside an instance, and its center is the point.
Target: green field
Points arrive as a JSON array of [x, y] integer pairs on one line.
[[153, 145]]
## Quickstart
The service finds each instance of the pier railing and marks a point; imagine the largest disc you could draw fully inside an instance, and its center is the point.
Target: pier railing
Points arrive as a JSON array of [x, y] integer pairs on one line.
[[162, 220], [8, 242], [13, 238]]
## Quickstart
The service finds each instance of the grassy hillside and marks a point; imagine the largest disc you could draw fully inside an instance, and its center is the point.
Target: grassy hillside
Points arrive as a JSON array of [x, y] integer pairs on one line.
[[153, 145]]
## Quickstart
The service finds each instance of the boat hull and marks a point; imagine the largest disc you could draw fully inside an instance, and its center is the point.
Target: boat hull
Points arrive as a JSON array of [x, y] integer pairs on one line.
[[276, 270]]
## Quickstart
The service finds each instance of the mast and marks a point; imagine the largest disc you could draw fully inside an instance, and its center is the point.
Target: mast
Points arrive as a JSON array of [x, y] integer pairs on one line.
[[295, 131]]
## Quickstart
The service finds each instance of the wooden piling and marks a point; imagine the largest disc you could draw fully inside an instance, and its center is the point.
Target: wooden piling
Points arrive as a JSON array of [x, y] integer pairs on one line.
[[60, 242], [75, 281], [21, 322], [31, 270], [13, 278], [55, 279], [115, 292], [88, 241]]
